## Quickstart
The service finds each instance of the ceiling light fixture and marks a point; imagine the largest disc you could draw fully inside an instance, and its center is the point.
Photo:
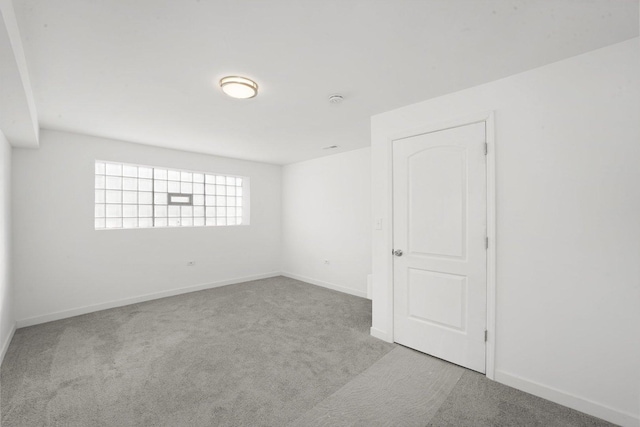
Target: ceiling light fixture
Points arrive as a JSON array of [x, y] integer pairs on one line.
[[239, 87]]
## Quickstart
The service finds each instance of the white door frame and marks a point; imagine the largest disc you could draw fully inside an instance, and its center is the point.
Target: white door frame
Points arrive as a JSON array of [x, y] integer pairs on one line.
[[488, 119]]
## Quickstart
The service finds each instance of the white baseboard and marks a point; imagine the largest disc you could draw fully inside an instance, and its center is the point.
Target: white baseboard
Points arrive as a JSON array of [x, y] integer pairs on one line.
[[569, 400], [133, 300], [381, 335], [5, 344], [325, 284]]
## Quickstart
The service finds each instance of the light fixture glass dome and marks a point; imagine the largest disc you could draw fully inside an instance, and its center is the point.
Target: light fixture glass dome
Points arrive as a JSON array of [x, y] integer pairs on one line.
[[239, 87]]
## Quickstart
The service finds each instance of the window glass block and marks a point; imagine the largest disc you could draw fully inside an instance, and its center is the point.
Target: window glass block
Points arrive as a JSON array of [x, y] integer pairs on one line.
[[130, 223], [160, 211], [114, 183], [114, 196], [186, 188], [160, 198], [113, 223], [113, 211], [145, 185], [160, 173], [113, 169], [129, 211], [144, 172], [160, 186], [129, 183], [145, 198], [131, 171], [145, 222], [145, 211], [130, 197], [174, 211]]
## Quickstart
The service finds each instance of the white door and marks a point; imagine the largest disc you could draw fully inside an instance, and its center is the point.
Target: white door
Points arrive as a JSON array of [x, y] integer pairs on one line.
[[439, 225]]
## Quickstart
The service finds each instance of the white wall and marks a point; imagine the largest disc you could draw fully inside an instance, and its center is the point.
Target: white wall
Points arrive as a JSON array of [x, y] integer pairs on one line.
[[568, 226], [7, 320], [63, 267], [327, 216]]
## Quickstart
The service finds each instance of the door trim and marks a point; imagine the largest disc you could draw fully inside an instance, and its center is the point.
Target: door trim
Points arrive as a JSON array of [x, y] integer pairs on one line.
[[489, 119]]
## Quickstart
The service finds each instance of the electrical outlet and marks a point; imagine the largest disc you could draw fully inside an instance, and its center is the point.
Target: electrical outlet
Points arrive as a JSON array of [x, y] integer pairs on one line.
[[191, 263]]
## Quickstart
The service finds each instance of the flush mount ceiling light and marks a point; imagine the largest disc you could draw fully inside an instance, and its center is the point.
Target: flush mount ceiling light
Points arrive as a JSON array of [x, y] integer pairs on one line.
[[239, 87]]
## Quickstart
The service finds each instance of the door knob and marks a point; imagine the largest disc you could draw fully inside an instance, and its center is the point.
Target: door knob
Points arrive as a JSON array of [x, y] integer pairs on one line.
[[397, 252]]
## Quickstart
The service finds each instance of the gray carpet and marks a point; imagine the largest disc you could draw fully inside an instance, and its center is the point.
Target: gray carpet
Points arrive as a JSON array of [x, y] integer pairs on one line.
[[476, 401], [271, 352], [404, 388], [257, 353]]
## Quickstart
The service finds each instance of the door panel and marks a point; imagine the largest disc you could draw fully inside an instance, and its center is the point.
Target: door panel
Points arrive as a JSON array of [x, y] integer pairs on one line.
[[436, 201], [440, 225]]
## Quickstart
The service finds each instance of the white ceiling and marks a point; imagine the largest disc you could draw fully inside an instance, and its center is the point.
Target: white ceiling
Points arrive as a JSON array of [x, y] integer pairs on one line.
[[144, 70]]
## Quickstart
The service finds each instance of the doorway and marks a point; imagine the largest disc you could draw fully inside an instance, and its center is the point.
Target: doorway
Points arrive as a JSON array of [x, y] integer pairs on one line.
[[440, 243]]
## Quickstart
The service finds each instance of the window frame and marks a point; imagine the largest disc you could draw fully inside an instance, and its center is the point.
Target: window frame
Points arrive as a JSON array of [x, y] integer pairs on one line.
[[207, 203]]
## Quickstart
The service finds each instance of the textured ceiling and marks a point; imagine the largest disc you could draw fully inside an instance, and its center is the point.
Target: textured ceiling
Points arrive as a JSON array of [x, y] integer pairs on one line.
[[144, 70]]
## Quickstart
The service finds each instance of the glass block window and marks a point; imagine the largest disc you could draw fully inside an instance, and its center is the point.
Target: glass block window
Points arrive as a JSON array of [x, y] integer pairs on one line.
[[136, 196]]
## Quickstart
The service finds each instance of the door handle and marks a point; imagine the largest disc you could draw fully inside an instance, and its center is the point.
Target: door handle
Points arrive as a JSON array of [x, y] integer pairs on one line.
[[397, 252]]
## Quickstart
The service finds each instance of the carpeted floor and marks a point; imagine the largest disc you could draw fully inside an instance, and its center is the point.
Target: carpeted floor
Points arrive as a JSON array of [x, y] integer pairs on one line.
[[256, 353], [270, 352]]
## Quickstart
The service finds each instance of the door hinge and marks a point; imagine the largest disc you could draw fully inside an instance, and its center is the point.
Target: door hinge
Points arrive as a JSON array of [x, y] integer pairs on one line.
[[486, 333], [486, 148], [486, 242]]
